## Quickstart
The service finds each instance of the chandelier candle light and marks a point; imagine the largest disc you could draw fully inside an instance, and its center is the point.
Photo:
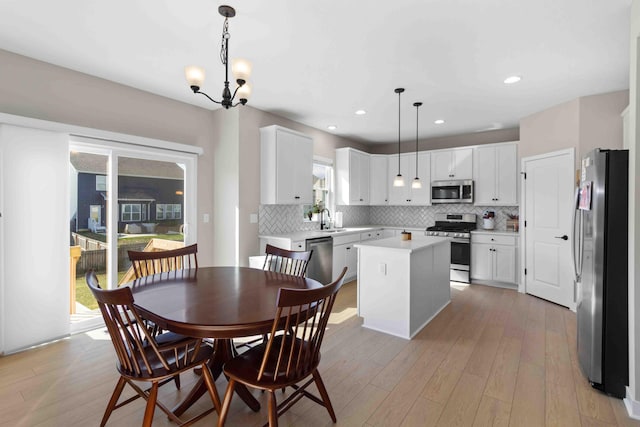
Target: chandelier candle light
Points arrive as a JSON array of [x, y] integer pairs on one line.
[[416, 181], [399, 180], [241, 69]]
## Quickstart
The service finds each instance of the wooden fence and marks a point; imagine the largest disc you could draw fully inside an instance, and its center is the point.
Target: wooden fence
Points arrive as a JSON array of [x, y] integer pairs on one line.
[[97, 259]]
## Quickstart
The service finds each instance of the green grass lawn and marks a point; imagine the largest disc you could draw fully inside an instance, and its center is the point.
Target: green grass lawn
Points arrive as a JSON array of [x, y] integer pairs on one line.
[[84, 295]]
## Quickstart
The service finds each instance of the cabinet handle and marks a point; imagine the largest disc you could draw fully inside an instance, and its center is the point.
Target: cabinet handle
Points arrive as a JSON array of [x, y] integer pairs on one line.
[[296, 197], [348, 248], [493, 240]]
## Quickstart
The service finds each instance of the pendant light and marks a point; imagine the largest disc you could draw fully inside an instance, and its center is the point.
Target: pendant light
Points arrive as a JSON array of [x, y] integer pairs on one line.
[[399, 180], [416, 181]]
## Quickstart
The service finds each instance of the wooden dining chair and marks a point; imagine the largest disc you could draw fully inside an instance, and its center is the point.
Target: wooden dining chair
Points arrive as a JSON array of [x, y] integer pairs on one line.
[[289, 357], [142, 359], [285, 261], [149, 263]]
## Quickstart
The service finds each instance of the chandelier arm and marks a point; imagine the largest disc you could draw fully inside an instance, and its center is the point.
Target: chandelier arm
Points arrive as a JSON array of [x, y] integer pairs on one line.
[[234, 93], [210, 98]]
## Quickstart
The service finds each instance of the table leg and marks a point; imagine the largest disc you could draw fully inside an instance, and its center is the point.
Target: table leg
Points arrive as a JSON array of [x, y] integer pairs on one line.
[[223, 352]]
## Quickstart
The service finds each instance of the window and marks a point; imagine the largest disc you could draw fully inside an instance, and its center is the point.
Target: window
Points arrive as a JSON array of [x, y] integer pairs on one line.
[[168, 211], [131, 212], [322, 189], [101, 183]]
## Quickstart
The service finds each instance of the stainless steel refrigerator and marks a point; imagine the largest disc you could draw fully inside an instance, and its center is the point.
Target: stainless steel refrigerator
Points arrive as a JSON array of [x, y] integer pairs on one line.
[[600, 260]]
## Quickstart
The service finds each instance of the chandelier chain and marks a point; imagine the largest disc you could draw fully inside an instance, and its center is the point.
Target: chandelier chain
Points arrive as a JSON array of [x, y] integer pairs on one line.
[[225, 37]]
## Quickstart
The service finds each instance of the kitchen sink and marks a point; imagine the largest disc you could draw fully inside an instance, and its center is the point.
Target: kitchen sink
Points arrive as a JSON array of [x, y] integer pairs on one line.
[[335, 230]]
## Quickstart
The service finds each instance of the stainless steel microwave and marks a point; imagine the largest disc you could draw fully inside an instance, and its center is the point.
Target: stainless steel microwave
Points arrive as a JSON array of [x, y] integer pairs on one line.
[[457, 191]]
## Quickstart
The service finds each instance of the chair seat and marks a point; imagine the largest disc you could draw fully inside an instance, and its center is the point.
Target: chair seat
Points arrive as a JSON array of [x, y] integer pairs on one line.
[[245, 367], [174, 355]]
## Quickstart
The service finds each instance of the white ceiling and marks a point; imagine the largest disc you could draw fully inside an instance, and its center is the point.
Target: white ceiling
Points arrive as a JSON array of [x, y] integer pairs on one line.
[[317, 62]]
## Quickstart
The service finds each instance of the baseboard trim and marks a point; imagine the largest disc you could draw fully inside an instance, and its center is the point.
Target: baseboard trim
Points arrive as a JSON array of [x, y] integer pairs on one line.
[[633, 406]]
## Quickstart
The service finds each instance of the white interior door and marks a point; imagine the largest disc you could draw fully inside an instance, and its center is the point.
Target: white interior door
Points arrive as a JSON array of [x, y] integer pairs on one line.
[[548, 190]]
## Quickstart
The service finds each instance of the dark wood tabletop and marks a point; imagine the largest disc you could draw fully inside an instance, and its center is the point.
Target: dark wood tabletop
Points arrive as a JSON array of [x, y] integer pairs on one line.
[[214, 302]]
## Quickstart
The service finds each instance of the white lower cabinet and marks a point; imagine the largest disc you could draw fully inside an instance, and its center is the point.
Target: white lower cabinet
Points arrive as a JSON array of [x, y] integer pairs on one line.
[[345, 255], [494, 258]]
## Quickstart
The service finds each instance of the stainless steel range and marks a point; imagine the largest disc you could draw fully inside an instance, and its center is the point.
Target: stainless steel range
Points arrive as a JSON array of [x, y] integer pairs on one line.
[[458, 227]]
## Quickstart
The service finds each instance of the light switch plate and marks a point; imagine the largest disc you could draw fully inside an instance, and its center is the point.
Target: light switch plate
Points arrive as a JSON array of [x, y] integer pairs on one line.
[[205, 218], [253, 218]]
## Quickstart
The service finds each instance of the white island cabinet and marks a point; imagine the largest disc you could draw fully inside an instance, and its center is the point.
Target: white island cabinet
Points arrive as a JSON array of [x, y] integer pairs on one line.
[[403, 284]]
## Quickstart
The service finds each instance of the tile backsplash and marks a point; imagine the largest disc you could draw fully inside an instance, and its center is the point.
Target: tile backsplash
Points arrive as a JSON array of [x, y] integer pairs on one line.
[[278, 219]]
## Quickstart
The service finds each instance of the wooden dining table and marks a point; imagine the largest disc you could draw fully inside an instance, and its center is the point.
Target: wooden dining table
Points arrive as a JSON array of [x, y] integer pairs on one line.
[[214, 302]]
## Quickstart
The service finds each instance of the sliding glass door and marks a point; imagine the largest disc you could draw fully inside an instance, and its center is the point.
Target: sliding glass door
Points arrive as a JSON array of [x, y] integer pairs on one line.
[[122, 198]]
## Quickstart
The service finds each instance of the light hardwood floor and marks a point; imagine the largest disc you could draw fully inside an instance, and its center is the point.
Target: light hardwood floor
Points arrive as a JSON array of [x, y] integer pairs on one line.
[[492, 357]]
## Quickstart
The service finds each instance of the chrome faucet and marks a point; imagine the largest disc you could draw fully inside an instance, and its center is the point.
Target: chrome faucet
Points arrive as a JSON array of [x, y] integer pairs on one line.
[[322, 224]]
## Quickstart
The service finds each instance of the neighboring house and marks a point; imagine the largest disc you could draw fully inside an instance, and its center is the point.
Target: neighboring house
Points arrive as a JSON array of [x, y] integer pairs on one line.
[[143, 201]]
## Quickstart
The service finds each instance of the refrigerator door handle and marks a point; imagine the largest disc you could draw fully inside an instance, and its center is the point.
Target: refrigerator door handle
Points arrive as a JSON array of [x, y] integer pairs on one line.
[[576, 239]]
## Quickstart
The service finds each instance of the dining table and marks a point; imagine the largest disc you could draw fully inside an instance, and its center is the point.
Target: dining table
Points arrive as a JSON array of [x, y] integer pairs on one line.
[[219, 303]]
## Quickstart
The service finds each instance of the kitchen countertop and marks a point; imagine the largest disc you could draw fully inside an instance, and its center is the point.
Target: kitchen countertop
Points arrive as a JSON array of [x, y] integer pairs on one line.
[[395, 243], [303, 235]]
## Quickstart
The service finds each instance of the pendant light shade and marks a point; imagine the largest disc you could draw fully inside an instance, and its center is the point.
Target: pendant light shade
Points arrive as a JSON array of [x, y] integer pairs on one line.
[[399, 180], [416, 181]]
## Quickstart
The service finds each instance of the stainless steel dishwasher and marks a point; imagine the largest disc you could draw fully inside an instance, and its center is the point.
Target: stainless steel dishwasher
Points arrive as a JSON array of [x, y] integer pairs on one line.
[[320, 265]]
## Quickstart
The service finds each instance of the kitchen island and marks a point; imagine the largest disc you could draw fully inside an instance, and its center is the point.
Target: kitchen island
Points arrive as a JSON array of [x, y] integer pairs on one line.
[[403, 284]]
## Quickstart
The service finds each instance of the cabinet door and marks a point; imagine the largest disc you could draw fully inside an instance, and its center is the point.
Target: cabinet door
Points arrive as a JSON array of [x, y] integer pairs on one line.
[[351, 261], [294, 168], [481, 261], [485, 176], [339, 258], [506, 175], [504, 263], [358, 178], [441, 165], [462, 164], [378, 180]]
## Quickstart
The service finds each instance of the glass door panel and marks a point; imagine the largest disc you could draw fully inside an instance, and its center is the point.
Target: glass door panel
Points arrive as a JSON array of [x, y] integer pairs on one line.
[[89, 236], [150, 206]]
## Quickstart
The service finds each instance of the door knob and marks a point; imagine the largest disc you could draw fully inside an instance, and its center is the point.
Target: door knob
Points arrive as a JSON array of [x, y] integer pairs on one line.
[[565, 237]]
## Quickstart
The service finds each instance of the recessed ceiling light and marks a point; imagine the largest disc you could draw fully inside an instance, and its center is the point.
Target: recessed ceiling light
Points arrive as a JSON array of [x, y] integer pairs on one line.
[[332, 127], [512, 79], [360, 113], [439, 122]]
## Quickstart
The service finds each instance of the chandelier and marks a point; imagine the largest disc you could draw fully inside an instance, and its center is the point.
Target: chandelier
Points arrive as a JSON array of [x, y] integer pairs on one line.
[[241, 69]]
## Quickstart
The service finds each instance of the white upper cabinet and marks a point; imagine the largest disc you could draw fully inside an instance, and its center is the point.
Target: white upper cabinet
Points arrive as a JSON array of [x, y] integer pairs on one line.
[[286, 159], [452, 164], [352, 177], [379, 180], [496, 175], [407, 195]]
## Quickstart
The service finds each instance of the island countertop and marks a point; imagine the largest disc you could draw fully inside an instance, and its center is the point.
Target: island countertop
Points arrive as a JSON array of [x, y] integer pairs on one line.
[[396, 243]]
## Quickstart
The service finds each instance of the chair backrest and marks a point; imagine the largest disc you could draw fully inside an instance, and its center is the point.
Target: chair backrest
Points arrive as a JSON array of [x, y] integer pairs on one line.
[[149, 263], [302, 315], [285, 261], [134, 345]]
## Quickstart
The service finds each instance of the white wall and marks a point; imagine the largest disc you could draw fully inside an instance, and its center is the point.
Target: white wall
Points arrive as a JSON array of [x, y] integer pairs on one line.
[[35, 201]]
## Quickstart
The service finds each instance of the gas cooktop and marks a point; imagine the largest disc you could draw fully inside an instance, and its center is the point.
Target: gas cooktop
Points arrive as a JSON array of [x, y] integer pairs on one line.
[[453, 225]]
